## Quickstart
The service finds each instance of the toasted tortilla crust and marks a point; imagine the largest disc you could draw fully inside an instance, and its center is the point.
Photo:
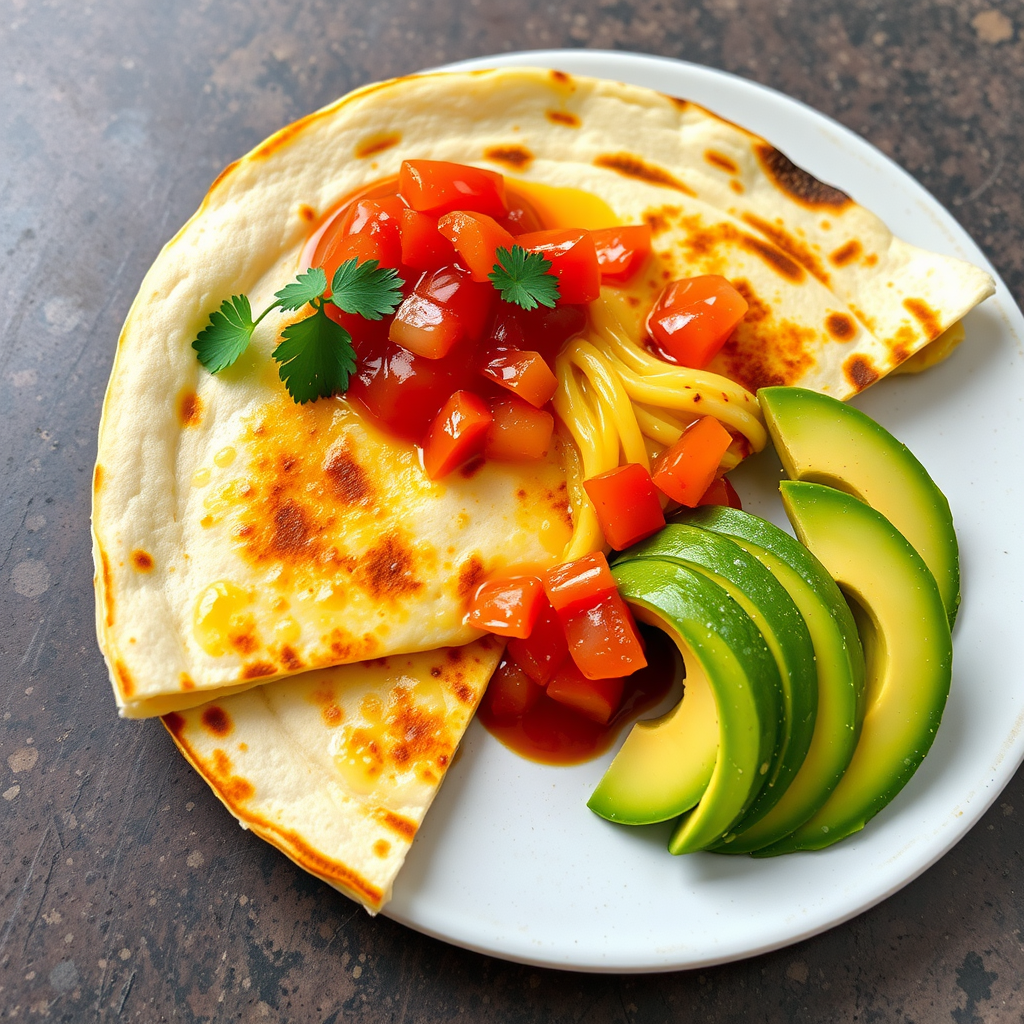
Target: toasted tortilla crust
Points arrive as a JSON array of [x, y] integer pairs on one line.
[[279, 538]]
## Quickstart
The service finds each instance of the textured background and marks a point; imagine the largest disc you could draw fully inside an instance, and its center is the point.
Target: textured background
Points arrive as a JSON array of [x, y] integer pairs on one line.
[[125, 890]]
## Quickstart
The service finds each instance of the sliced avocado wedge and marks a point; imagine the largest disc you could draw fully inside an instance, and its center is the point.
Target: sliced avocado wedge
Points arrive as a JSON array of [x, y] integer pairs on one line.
[[838, 661], [779, 621], [909, 654], [721, 645], [821, 440]]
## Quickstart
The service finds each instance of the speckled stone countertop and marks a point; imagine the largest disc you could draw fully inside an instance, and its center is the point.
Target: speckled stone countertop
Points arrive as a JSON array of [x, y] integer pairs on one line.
[[126, 892]]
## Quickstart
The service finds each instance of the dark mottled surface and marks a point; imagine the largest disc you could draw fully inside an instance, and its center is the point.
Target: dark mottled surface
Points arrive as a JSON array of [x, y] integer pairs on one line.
[[125, 890]]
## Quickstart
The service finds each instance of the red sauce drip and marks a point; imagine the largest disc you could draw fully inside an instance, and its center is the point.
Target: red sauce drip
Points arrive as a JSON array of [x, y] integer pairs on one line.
[[553, 733]]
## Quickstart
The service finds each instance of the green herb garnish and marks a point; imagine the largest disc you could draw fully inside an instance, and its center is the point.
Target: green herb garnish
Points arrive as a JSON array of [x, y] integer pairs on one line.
[[524, 278], [315, 353]]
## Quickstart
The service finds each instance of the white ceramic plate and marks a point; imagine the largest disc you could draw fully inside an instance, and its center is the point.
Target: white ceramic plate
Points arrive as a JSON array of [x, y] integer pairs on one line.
[[510, 861]]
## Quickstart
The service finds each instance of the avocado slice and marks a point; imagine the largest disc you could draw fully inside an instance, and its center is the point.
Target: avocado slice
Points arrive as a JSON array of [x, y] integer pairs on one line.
[[909, 651], [838, 661], [720, 645], [779, 621], [821, 440]]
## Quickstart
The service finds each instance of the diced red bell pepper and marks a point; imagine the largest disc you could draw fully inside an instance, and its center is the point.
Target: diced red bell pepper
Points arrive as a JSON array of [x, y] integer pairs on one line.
[[369, 229], [438, 187], [523, 373], [597, 699], [453, 288], [721, 492], [476, 238], [627, 504], [685, 470], [423, 246], [508, 607], [692, 318], [540, 654], [518, 431], [573, 259], [603, 638], [584, 581], [622, 251], [511, 692], [425, 327], [456, 434]]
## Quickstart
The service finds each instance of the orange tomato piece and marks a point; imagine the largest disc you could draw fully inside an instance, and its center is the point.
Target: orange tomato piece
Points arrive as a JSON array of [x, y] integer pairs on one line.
[[439, 186], [691, 319], [456, 434], [508, 606], [627, 504], [369, 229], [523, 373], [476, 238], [518, 431], [540, 654], [685, 470], [511, 692], [721, 492], [579, 582], [453, 288], [573, 259], [425, 327], [622, 251], [603, 638], [423, 246], [597, 699]]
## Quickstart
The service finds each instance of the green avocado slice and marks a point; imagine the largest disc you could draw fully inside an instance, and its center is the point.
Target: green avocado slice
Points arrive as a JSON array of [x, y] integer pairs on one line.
[[721, 645], [909, 652], [838, 661], [821, 440], [779, 621]]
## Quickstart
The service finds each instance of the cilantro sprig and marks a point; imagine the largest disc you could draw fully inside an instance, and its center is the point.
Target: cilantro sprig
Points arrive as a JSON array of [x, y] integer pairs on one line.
[[316, 354], [524, 278]]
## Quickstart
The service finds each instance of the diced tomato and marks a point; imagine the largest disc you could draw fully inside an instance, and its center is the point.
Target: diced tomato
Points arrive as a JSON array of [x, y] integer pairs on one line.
[[580, 582], [438, 187], [685, 470], [453, 288], [603, 638], [423, 246], [518, 431], [506, 331], [692, 318], [369, 229], [523, 373], [721, 492], [521, 216], [425, 327], [573, 259], [456, 434], [476, 238], [622, 251], [511, 692], [627, 504], [400, 391], [540, 654], [547, 330], [508, 607], [597, 699]]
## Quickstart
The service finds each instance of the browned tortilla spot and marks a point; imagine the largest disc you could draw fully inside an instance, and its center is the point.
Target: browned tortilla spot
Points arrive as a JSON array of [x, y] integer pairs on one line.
[[307, 213], [925, 316], [469, 469], [216, 720], [97, 478], [471, 575], [797, 183], [772, 352], [860, 372], [516, 157], [403, 826], [789, 244], [721, 161], [631, 166], [563, 117], [289, 659], [737, 186], [349, 480], [774, 257], [374, 144], [175, 723], [840, 326], [332, 715], [142, 561], [257, 670], [186, 682], [561, 77], [387, 569], [846, 253], [757, 310], [190, 409], [382, 848], [124, 678]]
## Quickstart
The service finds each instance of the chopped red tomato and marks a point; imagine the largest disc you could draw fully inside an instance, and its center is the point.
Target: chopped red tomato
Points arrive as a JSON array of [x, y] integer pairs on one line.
[[511, 692], [518, 431], [508, 607], [544, 649], [622, 251], [521, 216], [425, 327], [523, 373], [453, 288], [721, 492], [573, 259], [603, 638], [597, 699], [423, 246], [692, 318], [369, 229], [456, 434], [581, 582], [685, 470], [476, 238], [627, 504], [547, 330], [438, 187]]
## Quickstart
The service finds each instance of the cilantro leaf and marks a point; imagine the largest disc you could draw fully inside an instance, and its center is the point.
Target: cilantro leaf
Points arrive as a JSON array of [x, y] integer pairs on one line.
[[316, 358], [227, 334], [305, 288], [366, 288], [523, 278]]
